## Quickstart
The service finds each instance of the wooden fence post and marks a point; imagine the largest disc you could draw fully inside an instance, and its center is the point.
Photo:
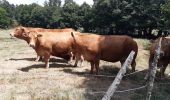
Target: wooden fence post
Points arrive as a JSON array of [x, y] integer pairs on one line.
[[153, 70], [118, 78]]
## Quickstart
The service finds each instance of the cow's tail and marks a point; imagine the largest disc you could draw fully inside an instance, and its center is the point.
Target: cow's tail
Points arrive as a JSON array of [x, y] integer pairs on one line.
[[72, 34], [135, 49]]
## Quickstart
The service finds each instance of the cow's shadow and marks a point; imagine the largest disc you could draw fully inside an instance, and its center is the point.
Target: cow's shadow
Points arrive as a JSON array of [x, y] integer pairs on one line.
[[33, 59], [104, 70], [53, 65], [95, 86], [28, 59]]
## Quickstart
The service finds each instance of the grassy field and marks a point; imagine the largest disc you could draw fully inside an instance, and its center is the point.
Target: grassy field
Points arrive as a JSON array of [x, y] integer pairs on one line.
[[21, 78]]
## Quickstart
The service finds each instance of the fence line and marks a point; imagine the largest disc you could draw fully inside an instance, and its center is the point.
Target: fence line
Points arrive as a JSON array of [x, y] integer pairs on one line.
[[103, 92], [119, 77]]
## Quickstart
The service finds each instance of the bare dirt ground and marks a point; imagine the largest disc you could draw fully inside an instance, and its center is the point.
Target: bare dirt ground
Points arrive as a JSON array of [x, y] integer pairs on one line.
[[21, 78]]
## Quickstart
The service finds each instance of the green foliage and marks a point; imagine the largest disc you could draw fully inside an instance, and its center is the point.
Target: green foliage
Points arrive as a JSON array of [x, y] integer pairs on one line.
[[70, 16], [24, 14], [85, 15], [128, 15], [8, 7], [4, 19], [104, 16], [39, 17], [166, 12]]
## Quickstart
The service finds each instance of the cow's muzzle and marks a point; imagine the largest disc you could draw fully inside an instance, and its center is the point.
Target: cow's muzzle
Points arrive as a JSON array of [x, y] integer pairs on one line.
[[32, 45], [11, 35]]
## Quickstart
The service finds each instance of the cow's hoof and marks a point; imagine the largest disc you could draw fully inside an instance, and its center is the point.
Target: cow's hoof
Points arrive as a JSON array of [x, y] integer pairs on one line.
[[46, 67], [36, 60]]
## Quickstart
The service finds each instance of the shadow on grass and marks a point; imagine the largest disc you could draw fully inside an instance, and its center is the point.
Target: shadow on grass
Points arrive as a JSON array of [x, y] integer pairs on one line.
[[33, 59], [100, 85], [104, 70], [54, 65]]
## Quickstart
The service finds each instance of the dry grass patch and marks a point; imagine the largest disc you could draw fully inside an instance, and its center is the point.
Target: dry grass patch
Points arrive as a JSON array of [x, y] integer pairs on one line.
[[23, 79]]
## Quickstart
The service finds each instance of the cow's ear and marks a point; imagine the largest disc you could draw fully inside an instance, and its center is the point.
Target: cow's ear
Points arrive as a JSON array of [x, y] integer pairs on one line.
[[24, 30], [25, 34], [39, 35]]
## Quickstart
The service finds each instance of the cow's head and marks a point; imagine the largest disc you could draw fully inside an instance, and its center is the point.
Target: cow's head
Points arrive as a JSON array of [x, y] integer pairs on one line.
[[18, 32], [32, 37]]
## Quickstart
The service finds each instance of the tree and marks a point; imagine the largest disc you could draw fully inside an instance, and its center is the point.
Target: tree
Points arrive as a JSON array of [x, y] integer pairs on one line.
[[147, 15], [24, 14], [125, 16], [54, 12], [56, 3], [10, 8], [70, 16], [166, 13], [85, 16], [4, 19], [68, 2], [40, 17]]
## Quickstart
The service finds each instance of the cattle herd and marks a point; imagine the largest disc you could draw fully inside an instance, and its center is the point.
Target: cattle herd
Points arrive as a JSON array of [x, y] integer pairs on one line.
[[70, 44]]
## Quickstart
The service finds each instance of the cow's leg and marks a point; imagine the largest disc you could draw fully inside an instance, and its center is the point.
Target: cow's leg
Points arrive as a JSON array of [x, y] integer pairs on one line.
[[133, 65], [162, 70], [92, 67], [76, 59], [82, 60], [97, 66], [47, 58], [122, 62], [71, 57], [76, 62], [147, 74], [149, 68], [38, 58]]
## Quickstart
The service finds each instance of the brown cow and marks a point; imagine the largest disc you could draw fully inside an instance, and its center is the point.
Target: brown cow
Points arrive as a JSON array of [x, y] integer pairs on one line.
[[19, 31], [52, 43], [110, 48], [164, 55]]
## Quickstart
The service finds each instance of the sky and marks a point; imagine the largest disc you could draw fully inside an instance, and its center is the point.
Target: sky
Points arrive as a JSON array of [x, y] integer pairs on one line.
[[41, 2]]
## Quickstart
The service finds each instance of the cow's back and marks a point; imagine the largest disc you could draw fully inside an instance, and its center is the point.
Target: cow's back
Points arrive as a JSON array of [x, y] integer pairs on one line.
[[110, 48], [58, 43], [114, 48], [50, 30]]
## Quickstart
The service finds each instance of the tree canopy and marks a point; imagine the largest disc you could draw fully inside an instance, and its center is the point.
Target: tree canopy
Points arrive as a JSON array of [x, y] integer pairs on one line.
[[130, 17]]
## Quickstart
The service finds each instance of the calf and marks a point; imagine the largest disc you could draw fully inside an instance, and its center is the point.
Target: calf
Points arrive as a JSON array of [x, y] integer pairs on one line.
[[110, 48]]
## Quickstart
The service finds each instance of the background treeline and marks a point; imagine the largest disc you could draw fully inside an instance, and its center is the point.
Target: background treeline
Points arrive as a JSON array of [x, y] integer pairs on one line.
[[132, 17]]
